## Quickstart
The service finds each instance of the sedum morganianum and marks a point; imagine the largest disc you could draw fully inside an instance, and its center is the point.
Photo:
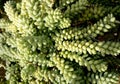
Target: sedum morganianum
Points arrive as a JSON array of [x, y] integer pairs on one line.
[[40, 46]]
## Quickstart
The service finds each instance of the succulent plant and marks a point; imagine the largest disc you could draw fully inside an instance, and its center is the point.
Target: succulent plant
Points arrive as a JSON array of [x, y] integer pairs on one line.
[[41, 45]]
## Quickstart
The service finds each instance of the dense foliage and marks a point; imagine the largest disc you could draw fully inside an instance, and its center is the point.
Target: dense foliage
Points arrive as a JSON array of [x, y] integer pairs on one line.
[[58, 42]]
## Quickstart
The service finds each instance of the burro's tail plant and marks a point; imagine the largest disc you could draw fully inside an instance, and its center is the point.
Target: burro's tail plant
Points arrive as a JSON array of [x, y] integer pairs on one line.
[[54, 42]]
